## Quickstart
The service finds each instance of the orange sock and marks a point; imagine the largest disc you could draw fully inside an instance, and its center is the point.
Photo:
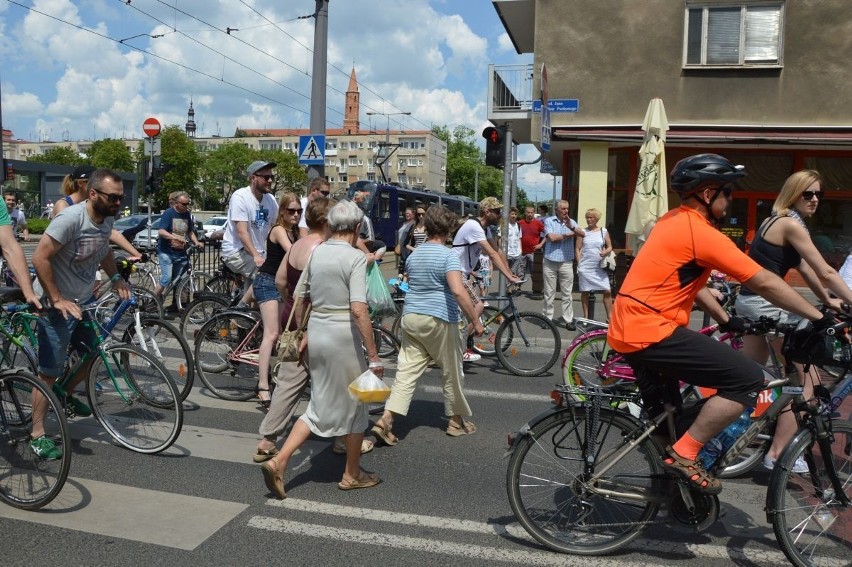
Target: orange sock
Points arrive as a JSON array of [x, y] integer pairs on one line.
[[687, 447]]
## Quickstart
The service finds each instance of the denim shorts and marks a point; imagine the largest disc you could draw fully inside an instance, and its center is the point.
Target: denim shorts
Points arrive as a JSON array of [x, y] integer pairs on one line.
[[754, 306], [264, 288], [171, 267], [55, 333]]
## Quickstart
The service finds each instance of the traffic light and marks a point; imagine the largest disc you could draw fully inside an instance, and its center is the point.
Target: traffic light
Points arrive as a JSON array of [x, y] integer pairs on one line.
[[495, 146]]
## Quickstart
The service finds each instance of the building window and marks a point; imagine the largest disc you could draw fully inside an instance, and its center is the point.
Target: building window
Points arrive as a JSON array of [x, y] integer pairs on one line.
[[353, 160], [744, 35]]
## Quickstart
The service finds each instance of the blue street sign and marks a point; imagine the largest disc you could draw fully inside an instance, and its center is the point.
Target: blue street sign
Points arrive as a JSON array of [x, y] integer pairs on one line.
[[312, 149], [559, 105]]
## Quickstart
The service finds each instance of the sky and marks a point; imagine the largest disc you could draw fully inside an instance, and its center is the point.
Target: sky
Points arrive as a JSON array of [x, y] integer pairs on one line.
[[93, 69]]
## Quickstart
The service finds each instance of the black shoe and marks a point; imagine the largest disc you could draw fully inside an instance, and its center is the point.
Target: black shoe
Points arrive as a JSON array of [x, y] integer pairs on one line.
[[571, 326], [560, 322]]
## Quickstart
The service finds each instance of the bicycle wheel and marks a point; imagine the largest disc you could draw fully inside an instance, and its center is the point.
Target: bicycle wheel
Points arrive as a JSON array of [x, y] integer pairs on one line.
[[148, 303], [750, 457], [387, 344], [188, 287], [166, 343], [547, 491], [135, 399], [199, 311], [27, 480], [811, 524], [585, 364], [13, 355], [225, 285], [226, 353], [491, 319], [527, 344], [143, 278]]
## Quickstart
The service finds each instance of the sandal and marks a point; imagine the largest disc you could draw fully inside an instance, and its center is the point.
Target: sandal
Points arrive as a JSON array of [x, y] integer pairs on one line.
[[365, 480], [466, 428], [262, 456], [274, 483], [339, 447], [264, 404], [692, 471], [383, 432]]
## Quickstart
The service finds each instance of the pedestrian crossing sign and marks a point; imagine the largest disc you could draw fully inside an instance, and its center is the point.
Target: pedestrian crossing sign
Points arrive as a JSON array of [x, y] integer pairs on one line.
[[312, 149]]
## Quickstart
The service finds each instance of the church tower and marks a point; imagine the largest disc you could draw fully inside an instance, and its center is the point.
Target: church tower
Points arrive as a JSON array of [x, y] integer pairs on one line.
[[190, 121], [351, 122]]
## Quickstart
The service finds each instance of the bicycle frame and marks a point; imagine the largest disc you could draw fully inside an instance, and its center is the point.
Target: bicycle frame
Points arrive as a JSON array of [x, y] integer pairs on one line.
[[508, 313]]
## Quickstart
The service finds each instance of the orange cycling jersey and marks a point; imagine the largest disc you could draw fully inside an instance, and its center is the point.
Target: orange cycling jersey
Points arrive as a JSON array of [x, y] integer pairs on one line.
[[658, 293]]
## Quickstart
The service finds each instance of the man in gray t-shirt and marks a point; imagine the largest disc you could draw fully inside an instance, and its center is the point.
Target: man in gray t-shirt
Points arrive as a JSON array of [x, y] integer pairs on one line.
[[74, 245]]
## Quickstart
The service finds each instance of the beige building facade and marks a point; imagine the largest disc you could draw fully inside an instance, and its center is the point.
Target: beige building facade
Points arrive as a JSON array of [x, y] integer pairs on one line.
[[762, 82]]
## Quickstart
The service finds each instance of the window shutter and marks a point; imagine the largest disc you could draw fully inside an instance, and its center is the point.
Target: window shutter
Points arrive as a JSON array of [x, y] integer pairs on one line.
[[763, 30], [723, 36]]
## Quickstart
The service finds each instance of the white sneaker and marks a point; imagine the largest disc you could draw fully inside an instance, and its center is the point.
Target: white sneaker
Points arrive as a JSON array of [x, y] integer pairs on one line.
[[799, 467], [471, 356]]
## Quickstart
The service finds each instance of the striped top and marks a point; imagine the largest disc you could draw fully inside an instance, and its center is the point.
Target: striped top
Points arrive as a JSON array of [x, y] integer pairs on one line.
[[429, 293]]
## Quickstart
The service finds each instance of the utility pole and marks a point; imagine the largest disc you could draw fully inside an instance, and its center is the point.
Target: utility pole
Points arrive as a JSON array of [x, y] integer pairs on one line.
[[507, 199], [386, 155], [318, 82]]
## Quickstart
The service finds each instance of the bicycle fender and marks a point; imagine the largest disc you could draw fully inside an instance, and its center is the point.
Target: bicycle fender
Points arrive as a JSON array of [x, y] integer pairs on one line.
[[525, 429], [254, 315]]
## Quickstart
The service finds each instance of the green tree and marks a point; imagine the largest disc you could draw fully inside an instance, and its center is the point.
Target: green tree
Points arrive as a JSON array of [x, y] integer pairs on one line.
[[222, 171], [60, 155], [290, 175], [112, 154], [179, 152]]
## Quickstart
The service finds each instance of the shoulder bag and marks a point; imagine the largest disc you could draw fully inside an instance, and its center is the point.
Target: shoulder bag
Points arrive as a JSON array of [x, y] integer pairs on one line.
[[608, 261], [287, 348]]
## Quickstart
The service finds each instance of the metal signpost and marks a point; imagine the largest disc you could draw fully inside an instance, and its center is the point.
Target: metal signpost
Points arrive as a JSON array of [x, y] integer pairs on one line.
[[151, 126]]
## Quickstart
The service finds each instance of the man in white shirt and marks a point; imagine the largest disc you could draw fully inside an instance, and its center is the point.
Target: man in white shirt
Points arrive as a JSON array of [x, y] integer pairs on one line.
[[251, 212], [559, 233], [513, 243]]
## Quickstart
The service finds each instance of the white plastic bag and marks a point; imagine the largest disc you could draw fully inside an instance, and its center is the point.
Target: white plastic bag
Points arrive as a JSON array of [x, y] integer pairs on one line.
[[369, 388]]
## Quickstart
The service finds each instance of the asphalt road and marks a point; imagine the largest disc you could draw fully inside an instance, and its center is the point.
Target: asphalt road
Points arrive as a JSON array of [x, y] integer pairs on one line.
[[442, 500]]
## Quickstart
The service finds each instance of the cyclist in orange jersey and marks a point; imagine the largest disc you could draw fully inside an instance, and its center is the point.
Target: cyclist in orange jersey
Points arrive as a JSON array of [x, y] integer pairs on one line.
[[651, 314]]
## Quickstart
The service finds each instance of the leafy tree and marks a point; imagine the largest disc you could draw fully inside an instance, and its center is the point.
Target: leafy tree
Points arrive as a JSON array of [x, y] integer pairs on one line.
[[60, 155], [222, 171], [290, 175], [112, 154], [180, 153]]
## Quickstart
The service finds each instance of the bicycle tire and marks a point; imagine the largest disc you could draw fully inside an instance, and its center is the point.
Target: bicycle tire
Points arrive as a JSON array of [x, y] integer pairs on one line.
[[584, 364], [387, 344], [167, 344], [215, 348], [188, 287], [148, 303], [545, 477], [143, 278], [532, 337], [811, 526], [225, 285], [135, 399], [28, 481], [198, 312], [21, 356], [491, 319]]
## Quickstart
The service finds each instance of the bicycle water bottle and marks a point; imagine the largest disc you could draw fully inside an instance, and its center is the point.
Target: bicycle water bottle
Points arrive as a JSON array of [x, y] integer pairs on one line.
[[724, 440]]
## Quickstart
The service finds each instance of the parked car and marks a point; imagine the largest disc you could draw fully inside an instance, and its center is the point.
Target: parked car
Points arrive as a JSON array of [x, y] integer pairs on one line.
[[145, 239], [213, 224], [132, 225]]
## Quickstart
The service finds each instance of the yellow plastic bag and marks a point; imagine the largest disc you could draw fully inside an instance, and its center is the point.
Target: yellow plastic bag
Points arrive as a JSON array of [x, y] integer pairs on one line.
[[369, 388]]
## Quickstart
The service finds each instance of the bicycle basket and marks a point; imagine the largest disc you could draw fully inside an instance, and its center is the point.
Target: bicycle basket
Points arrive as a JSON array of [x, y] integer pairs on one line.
[[806, 346]]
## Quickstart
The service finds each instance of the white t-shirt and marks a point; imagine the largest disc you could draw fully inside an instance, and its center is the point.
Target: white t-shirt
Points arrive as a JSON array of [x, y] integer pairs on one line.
[[846, 271], [259, 216], [303, 218], [467, 244], [514, 243]]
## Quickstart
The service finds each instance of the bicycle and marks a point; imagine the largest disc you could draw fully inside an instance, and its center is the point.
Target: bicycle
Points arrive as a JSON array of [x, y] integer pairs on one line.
[[522, 338], [585, 478], [18, 339], [27, 480], [129, 391], [184, 285], [227, 354]]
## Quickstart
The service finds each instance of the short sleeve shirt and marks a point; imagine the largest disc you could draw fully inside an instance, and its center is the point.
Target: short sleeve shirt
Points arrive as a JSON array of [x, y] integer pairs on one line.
[[658, 293], [562, 250], [429, 294], [4, 217], [179, 224], [530, 234], [258, 214], [84, 245], [514, 241], [467, 245]]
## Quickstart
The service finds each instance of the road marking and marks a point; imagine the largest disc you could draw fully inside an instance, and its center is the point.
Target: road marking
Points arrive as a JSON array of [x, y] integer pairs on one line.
[[492, 394], [764, 551], [136, 514]]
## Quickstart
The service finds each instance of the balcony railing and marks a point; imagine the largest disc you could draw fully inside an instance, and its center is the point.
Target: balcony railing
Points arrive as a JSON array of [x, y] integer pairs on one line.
[[510, 88]]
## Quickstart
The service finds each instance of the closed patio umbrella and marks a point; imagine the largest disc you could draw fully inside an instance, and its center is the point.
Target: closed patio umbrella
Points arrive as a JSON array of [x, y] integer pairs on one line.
[[650, 200]]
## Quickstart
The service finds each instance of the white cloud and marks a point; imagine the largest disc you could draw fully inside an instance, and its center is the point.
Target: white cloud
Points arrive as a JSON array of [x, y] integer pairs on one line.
[[21, 104], [504, 43]]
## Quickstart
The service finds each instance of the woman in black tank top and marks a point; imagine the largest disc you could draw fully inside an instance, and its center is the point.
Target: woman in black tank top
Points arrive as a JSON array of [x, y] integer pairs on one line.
[[283, 234], [783, 242]]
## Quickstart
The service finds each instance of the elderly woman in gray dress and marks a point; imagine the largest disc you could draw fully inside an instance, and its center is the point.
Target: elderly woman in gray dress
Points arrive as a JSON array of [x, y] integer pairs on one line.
[[338, 333]]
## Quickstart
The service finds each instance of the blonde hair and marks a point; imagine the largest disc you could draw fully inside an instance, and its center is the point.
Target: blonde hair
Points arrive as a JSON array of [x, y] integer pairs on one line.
[[70, 186], [595, 213], [793, 188]]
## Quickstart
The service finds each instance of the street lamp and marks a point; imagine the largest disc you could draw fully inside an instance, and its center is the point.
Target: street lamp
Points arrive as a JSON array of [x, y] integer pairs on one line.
[[387, 137]]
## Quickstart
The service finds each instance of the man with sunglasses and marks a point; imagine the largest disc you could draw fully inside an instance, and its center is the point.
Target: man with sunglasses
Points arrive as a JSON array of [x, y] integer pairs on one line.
[[251, 211], [177, 230], [558, 264], [75, 244], [651, 313], [319, 187]]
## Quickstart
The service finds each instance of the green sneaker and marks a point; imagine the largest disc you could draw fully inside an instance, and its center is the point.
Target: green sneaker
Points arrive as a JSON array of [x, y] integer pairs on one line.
[[79, 408], [45, 448]]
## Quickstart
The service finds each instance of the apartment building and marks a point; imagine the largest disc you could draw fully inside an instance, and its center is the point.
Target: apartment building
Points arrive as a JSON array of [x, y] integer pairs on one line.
[[763, 82]]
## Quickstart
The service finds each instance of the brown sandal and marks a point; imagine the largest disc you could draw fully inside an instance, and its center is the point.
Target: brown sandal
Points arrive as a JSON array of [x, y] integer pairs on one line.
[[692, 471]]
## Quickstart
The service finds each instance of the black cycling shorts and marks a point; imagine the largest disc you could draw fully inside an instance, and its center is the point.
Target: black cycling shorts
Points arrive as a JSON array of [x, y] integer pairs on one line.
[[700, 360]]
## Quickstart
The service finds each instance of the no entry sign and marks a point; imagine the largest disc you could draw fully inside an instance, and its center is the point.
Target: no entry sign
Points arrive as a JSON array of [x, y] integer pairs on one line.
[[151, 127]]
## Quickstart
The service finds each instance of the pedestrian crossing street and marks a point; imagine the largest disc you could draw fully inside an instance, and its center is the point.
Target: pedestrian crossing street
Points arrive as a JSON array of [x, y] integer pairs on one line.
[[183, 521]]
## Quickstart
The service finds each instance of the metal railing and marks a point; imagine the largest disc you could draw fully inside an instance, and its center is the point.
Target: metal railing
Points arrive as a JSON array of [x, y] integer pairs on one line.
[[510, 88]]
